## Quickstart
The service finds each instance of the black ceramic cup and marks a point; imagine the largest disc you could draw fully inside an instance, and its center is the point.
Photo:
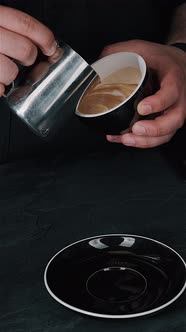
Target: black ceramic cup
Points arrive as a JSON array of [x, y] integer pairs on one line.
[[119, 118]]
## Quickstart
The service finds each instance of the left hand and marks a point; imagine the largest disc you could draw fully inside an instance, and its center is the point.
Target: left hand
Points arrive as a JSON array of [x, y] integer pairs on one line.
[[170, 66]]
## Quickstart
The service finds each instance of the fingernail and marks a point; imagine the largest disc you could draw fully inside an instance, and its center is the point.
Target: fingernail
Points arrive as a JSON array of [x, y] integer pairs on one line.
[[52, 50], [138, 129], [144, 109], [56, 56], [129, 141], [111, 138]]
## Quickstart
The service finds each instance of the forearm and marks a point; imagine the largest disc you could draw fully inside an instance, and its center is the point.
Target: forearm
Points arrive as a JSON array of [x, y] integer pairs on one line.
[[178, 27]]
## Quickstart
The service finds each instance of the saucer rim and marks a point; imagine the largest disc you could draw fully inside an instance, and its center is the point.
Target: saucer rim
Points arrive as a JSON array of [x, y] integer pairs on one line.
[[98, 315]]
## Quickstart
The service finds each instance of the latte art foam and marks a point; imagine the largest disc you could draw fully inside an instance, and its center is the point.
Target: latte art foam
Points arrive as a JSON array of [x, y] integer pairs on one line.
[[110, 92]]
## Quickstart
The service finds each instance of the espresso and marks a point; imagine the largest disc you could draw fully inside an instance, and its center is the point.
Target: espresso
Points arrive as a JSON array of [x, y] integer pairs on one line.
[[110, 92]]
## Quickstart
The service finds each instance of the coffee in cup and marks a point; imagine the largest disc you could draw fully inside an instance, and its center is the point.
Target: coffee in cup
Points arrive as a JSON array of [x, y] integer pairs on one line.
[[110, 92], [109, 104]]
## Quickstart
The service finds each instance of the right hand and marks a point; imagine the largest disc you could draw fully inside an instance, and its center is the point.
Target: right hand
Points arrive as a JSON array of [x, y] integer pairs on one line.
[[20, 37]]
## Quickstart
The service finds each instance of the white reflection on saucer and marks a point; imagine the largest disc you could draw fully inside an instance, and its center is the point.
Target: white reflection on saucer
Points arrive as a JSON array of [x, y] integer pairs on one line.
[[98, 243], [127, 242]]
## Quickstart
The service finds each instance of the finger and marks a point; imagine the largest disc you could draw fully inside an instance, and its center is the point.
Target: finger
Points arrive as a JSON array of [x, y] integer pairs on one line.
[[164, 124], [147, 50], [117, 47], [24, 24], [138, 46], [17, 47], [2, 89], [56, 56], [139, 141], [162, 99], [8, 70]]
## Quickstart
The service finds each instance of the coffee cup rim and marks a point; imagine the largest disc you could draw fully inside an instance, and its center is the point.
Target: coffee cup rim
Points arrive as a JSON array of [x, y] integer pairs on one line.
[[122, 103]]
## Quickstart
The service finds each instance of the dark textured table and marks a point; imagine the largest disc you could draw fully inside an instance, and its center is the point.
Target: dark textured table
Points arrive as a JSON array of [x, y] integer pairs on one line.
[[48, 203]]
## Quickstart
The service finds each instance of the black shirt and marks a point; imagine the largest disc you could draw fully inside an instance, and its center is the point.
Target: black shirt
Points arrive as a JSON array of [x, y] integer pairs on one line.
[[87, 25]]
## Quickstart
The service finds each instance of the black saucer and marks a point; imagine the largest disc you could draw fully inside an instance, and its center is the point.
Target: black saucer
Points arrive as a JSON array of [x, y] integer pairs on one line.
[[116, 276]]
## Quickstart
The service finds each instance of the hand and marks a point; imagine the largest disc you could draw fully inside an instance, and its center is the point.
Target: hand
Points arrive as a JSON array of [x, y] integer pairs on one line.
[[170, 66], [20, 37]]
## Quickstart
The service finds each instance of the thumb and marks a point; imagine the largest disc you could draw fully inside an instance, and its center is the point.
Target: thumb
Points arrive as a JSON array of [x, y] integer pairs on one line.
[[158, 102]]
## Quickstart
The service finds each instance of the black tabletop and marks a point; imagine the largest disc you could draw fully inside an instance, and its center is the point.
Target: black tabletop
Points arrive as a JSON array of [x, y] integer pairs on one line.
[[48, 203]]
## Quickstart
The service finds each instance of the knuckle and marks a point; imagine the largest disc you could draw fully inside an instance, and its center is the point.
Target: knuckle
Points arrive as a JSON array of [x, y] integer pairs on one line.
[[14, 70], [167, 138], [178, 70], [49, 39], [2, 89], [157, 131], [177, 74], [27, 22], [8, 70], [29, 53], [144, 145], [177, 89], [162, 104], [181, 120], [152, 129], [1, 36]]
